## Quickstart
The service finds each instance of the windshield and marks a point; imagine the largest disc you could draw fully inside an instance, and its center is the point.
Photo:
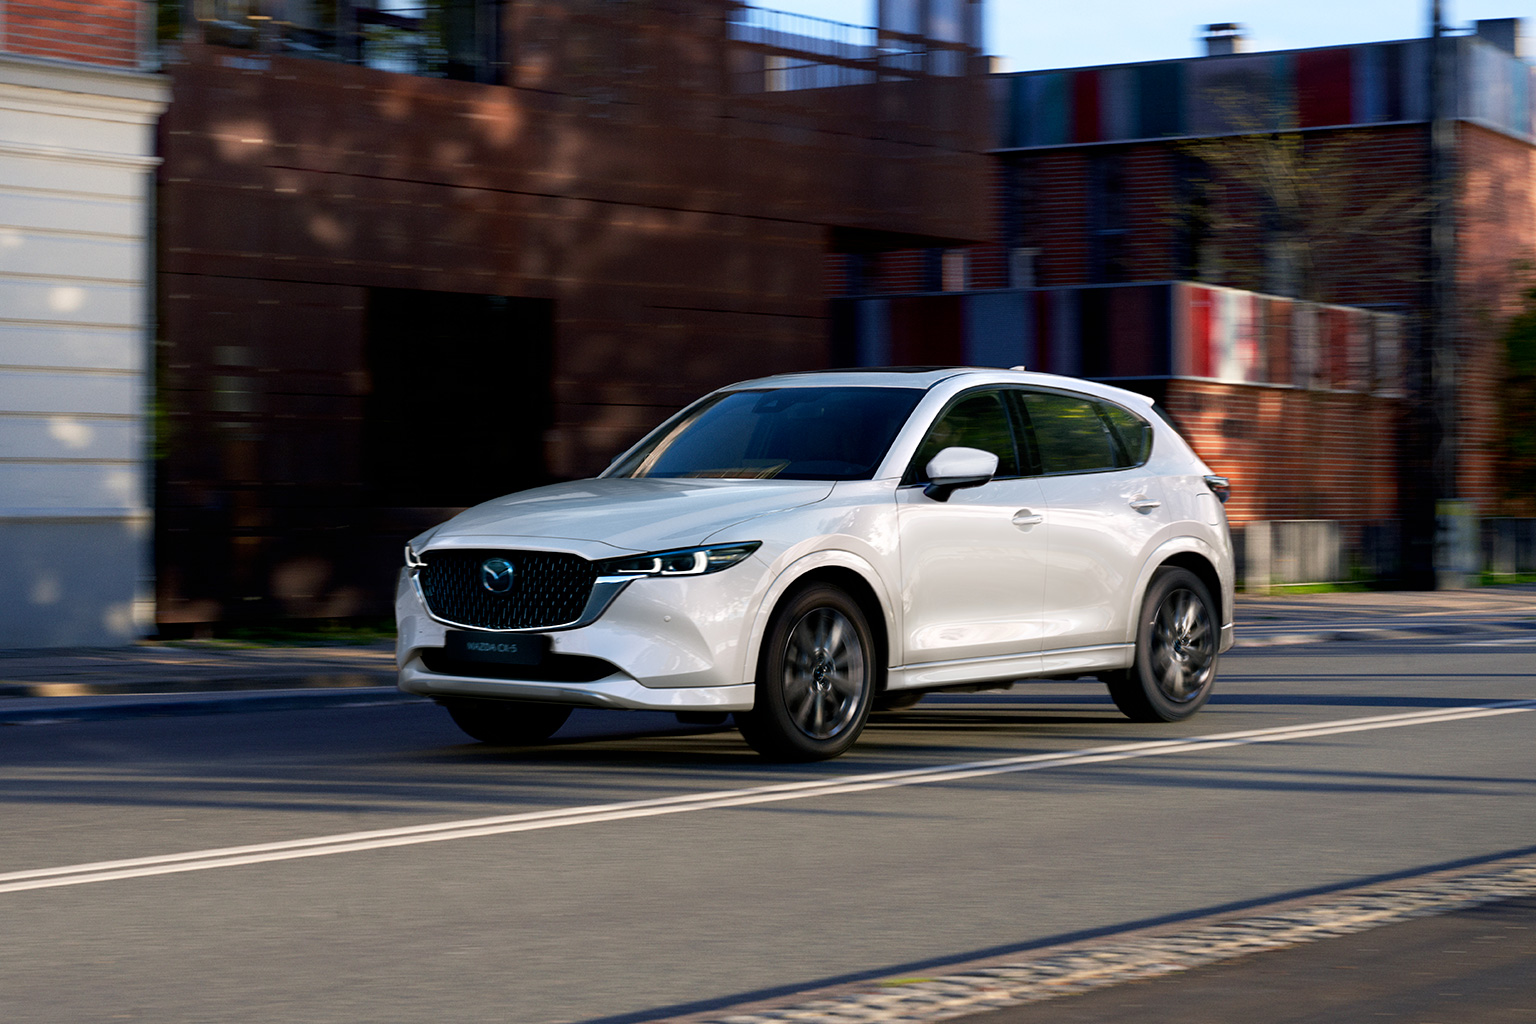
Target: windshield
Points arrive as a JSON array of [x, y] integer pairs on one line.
[[786, 433]]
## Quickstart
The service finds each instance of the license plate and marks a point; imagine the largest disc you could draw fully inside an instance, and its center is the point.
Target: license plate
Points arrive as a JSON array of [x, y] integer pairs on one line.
[[497, 648]]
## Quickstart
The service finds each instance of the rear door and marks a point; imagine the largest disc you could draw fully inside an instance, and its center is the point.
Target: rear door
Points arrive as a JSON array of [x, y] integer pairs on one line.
[[1103, 508]]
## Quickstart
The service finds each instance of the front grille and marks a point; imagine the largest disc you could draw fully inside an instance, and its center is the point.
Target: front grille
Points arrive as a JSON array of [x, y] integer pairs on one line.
[[548, 589]]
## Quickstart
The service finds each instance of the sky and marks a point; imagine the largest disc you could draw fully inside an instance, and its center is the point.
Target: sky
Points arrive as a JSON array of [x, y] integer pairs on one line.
[[1035, 34]]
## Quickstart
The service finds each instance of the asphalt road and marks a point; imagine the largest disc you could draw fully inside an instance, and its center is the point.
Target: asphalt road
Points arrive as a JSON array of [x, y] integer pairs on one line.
[[682, 885]]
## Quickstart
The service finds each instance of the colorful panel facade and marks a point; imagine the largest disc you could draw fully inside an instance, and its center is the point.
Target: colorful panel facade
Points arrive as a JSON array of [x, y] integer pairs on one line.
[[1138, 331], [1374, 83]]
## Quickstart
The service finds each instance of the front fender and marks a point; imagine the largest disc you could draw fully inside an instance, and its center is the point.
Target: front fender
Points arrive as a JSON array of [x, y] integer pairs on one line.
[[797, 571]]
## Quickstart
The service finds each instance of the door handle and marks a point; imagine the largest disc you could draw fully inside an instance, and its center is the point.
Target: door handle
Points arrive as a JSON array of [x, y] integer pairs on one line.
[[1024, 517], [1145, 504]]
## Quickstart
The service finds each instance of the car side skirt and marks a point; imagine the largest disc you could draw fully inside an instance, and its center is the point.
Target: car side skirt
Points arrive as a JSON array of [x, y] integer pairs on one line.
[[1072, 661]]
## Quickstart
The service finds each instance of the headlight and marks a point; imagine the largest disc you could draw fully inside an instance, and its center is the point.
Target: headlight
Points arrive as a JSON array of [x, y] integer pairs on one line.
[[412, 559], [689, 562]]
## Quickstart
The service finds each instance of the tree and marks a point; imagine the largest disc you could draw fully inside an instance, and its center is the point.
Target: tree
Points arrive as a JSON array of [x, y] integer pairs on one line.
[[1271, 208], [1518, 406]]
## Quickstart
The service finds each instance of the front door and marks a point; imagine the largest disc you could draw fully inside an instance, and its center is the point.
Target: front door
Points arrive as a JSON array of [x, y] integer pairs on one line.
[[973, 566]]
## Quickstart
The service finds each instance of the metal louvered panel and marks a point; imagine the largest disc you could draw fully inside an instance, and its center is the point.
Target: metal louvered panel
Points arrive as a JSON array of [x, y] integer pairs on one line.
[[548, 589]]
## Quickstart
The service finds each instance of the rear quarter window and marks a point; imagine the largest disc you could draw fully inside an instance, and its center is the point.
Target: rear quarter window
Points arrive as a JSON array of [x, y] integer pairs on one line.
[[1132, 434]]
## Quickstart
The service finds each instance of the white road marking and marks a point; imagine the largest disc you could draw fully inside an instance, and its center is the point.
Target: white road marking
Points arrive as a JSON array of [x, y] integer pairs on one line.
[[353, 842]]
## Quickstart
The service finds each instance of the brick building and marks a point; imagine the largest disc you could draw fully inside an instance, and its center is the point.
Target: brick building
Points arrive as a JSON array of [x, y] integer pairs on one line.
[[1151, 172], [411, 259], [78, 103]]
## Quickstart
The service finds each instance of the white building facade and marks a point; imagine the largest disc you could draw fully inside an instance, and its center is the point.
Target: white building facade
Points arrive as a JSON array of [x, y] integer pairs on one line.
[[76, 272]]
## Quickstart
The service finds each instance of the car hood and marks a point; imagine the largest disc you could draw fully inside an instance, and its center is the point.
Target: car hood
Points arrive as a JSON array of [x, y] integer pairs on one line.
[[631, 515]]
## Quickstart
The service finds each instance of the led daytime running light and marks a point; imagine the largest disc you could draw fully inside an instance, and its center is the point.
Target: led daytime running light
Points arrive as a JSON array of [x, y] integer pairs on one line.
[[688, 562]]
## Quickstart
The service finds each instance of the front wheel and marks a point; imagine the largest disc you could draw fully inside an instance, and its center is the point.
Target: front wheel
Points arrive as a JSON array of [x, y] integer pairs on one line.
[[815, 678], [1176, 651], [510, 723]]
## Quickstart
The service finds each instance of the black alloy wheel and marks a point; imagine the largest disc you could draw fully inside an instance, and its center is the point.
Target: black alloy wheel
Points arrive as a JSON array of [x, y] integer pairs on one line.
[[815, 680], [1177, 640]]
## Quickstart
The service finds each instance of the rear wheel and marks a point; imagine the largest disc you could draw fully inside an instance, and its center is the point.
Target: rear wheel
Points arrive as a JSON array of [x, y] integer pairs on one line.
[[511, 723], [1176, 651], [815, 678]]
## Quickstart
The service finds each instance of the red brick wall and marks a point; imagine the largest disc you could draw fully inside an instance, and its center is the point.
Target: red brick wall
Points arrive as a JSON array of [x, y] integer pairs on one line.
[[1293, 454], [1384, 262], [1496, 241], [1054, 194], [92, 31]]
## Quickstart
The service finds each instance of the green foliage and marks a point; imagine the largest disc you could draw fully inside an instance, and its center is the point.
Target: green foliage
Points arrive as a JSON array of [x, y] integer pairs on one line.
[[1320, 588], [1518, 399]]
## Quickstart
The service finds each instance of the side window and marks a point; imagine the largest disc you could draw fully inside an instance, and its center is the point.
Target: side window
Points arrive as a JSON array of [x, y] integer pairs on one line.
[[1070, 434], [1133, 433], [976, 421]]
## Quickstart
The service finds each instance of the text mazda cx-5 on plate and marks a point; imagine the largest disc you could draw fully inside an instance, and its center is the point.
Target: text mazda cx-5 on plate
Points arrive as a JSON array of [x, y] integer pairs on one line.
[[799, 549]]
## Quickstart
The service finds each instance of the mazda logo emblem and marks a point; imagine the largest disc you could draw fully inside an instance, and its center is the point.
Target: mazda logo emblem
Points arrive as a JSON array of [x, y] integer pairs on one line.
[[496, 575]]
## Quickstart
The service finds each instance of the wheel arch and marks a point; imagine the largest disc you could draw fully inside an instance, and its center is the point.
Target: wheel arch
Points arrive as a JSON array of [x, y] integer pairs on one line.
[[845, 577], [1204, 570]]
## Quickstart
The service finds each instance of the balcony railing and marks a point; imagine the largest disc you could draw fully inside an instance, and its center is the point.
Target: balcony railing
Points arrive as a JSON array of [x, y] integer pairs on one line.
[[799, 51], [771, 51]]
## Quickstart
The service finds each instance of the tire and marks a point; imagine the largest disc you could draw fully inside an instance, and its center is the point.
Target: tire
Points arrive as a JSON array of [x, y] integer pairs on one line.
[[507, 723], [816, 678], [1177, 640]]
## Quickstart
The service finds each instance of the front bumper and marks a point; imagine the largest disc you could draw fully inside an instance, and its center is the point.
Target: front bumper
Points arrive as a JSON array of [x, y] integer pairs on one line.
[[615, 691], [676, 644]]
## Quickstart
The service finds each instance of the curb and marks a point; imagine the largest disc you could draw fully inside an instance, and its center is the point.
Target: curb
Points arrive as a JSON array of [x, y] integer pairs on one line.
[[1366, 633], [244, 682]]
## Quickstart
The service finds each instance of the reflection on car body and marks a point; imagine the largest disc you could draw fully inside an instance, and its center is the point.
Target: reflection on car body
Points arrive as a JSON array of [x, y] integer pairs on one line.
[[800, 549]]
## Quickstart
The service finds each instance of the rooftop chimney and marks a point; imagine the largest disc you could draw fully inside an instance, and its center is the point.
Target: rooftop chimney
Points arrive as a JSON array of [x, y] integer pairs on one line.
[[1505, 33], [1224, 38]]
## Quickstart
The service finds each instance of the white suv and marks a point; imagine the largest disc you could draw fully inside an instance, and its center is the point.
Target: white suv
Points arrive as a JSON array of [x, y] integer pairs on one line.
[[800, 549]]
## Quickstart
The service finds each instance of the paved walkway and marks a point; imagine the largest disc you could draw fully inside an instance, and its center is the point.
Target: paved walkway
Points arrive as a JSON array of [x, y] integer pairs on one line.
[[1180, 968], [156, 676]]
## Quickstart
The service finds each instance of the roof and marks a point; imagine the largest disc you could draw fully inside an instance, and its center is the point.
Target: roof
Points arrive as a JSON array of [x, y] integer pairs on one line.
[[927, 377]]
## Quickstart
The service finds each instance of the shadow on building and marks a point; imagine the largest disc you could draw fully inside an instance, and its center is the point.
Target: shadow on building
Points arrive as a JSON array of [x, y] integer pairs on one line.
[[413, 259]]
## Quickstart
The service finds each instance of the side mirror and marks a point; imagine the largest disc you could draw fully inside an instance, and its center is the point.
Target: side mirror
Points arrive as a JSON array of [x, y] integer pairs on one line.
[[954, 468]]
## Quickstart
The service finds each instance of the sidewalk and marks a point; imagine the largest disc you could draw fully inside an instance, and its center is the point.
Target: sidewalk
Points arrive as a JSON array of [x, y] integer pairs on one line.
[[1384, 615], [190, 677], [156, 677]]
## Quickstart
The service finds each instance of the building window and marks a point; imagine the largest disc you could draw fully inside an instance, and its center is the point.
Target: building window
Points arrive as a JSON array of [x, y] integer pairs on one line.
[[458, 39], [1107, 219], [1194, 251], [955, 270]]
